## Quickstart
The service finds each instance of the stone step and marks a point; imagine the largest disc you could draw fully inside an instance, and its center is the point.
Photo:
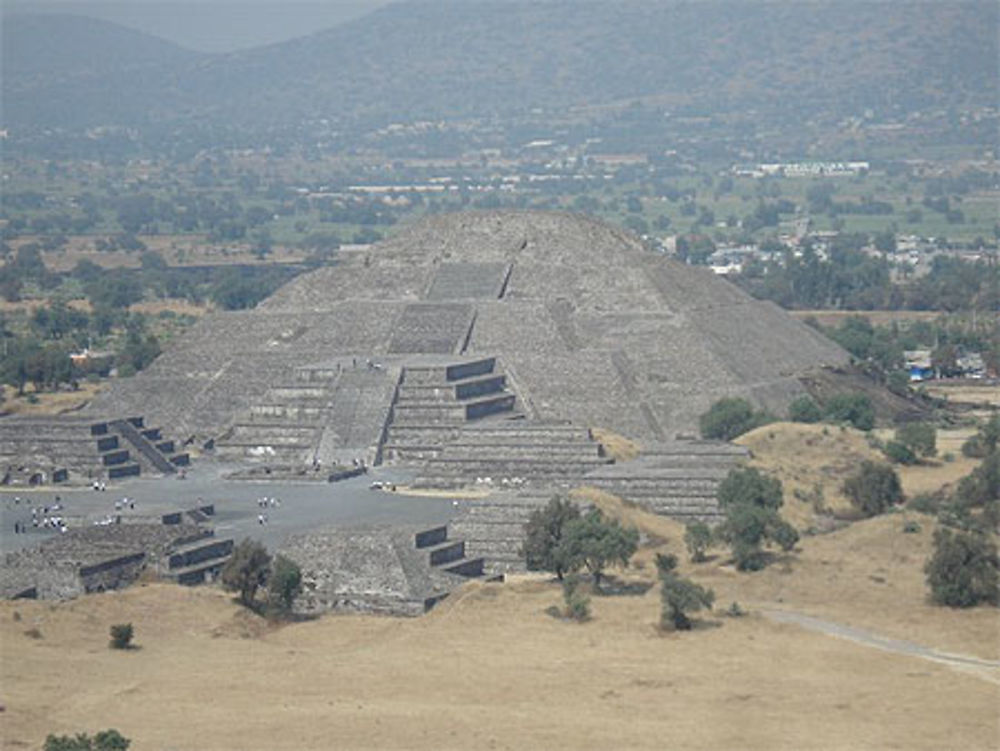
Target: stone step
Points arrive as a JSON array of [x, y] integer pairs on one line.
[[468, 567], [445, 552]]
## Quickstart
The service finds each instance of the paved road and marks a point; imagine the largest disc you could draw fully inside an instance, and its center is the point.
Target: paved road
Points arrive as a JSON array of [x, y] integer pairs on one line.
[[304, 506], [988, 670]]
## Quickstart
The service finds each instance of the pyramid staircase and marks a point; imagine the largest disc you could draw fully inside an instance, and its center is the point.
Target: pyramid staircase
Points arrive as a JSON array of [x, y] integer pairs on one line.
[[323, 410], [433, 404]]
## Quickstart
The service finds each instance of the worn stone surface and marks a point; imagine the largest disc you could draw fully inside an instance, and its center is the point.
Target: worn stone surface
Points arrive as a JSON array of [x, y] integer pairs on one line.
[[591, 328]]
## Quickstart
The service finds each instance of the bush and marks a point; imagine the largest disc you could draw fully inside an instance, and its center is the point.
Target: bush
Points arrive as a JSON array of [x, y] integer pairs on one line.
[[121, 636], [751, 502], [106, 740], [544, 533], [283, 585], [873, 488], [982, 485], [919, 437], [729, 418], [925, 503], [577, 604], [855, 409], [247, 570], [963, 570], [679, 596], [804, 409], [899, 453], [697, 537], [595, 542], [748, 486]]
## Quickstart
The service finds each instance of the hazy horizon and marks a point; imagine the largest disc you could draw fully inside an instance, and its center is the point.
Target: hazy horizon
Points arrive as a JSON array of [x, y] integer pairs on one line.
[[214, 25]]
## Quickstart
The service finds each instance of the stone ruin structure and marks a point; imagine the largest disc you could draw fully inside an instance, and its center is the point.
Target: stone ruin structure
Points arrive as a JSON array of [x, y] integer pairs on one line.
[[428, 347], [100, 558], [481, 349]]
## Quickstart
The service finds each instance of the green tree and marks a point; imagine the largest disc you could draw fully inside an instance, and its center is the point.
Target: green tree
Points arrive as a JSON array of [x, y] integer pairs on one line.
[[899, 453], [679, 596], [121, 636], [963, 570], [106, 740], [284, 584], [544, 533], [873, 488], [748, 486], [697, 538], [729, 418], [918, 437], [596, 542], [855, 409], [804, 409], [247, 570], [751, 502]]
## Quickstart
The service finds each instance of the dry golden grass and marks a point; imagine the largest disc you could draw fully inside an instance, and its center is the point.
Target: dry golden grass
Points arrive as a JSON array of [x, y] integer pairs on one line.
[[618, 447], [48, 402], [966, 393], [489, 668], [806, 457]]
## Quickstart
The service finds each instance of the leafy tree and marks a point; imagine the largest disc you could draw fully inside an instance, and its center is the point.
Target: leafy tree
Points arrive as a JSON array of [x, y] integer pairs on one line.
[[284, 584], [982, 485], [121, 636], [748, 486], [595, 542], [247, 570], [963, 570], [697, 538], [679, 596], [899, 453], [985, 441], [804, 409], [751, 502], [855, 409], [919, 437], [106, 740], [873, 488], [729, 418], [544, 533]]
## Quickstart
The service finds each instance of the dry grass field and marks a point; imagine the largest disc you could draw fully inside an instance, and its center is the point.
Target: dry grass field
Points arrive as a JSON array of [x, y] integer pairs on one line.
[[489, 668], [806, 457], [46, 402]]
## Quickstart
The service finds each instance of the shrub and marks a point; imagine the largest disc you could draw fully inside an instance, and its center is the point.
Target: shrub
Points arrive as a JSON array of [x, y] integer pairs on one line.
[[804, 409], [106, 740], [577, 604], [121, 636], [919, 437], [697, 538], [748, 486], [247, 570], [899, 453], [283, 585], [751, 502], [982, 485], [595, 542], [911, 527], [855, 409], [873, 488], [544, 533], [729, 418], [925, 503], [963, 570], [679, 596]]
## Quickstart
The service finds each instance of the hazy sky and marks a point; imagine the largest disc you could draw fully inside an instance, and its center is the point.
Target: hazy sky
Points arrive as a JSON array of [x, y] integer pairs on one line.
[[212, 25]]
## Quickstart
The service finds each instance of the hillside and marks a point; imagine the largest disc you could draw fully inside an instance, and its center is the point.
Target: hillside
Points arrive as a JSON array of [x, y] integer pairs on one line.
[[40, 49], [489, 668], [415, 60]]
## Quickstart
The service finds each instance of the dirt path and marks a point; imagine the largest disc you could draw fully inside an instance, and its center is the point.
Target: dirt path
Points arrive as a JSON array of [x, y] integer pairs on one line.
[[988, 670]]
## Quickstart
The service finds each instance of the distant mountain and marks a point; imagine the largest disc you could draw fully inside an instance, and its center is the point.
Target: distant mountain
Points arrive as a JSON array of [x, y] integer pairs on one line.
[[40, 48], [448, 58]]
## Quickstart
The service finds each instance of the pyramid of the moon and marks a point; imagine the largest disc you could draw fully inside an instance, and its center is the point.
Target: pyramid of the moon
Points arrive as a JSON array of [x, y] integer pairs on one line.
[[466, 321]]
